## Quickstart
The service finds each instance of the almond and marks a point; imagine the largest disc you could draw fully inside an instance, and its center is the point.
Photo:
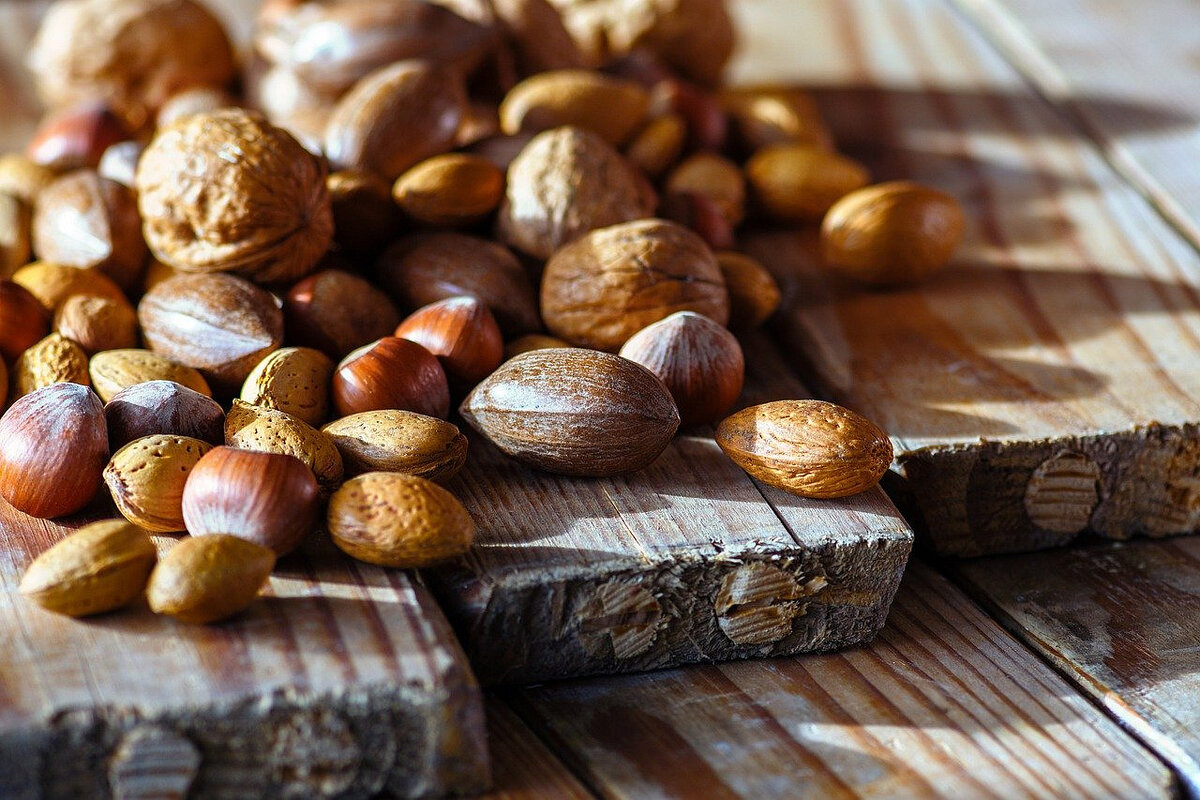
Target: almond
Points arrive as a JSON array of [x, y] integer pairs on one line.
[[114, 370], [208, 578], [611, 107], [146, 479], [266, 430], [294, 380], [452, 190], [399, 441]]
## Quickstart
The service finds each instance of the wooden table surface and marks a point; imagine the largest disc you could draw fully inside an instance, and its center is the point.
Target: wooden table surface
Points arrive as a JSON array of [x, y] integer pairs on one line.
[[1064, 342]]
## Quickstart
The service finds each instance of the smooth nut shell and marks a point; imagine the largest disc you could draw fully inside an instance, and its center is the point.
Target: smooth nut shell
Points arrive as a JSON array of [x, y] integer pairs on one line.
[[658, 145], [52, 284], [753, 293], [97, 323], [532, 341], [714, 177], [799, 183], [112, 371], [574, 411], [294, 380], [455, 189], [807, 447], [146, 479], [399, 441], [397, 520], [611, 107], [75, 138], [391, 373], [100, 567], [23, 319], [209, 578], [55, 359], [315, 312], [22, 178], [16, 234], [53, 448], [266, 430], [163, 407], [462, 333]]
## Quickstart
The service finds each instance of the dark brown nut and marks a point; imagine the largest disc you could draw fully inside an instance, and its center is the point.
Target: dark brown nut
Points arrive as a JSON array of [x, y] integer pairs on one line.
[[482, 121], [574, 411], [566, 182], [16, 226], [23, 320], [395, 118], [708, 127], [658, 145], [294, 380], [227, 191], [390, 440], [611, 107], [455, 190], [765, 115], [53, 448], [265, 430], [364, 216], [699, 361], [23, 179], [52, 284], [753, 293], [156, 273], [54, 359], [162, 407], [799, 183], [613, 282], [538, 37], [220, 324], [113, 371], [290, 103], [97, 323], [146, 479], [119, 162], [75, 138], [715, 177], [391, 373], [532, 341], [85, 221], [270, 499], [500, 150], [133, 54], [423, 269], [208, 579], [702, 215], [892, 234], [462, 333], [194, 100], [335, 311]]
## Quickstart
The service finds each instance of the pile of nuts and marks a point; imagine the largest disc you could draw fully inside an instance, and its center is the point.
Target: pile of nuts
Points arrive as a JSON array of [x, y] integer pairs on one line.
[[249, 325]]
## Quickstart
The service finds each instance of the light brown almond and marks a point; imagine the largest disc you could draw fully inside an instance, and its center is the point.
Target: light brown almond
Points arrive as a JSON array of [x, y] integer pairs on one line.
[[114, 370], [799, 183], [399, 441], [753, 293], [452, 190], [146, 479], [294, 380], [208, 578], [611, 107], [265, 430]]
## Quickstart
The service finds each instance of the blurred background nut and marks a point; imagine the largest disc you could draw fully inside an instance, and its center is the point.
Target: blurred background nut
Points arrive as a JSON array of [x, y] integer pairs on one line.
[[391, 373], [97, 323], [75, 137], [753, 293], [798, 183], [53, 284], [193, 100], [119, 163], [162, 407], [113, 371], [22, 178], [317, 312], [702, 215], [227, 191], [658, 145], [390, 440], [16, 228], [294, 380], [764, 115], [532, 341], [715, 177], [611, 107], [453, 190], [365, 219], [534, 30], [23, 319]]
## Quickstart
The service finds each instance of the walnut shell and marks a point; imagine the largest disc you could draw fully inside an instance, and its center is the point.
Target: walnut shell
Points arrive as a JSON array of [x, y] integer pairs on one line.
[[566, 182], [227, 191], [574, 411], [613, 282]]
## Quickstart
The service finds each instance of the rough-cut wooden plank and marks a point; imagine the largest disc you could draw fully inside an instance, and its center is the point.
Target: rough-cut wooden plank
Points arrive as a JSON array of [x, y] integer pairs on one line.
[[346, 679], [680, 562], [1123, 621], [524, 767], [1044, 384], [943, 704]]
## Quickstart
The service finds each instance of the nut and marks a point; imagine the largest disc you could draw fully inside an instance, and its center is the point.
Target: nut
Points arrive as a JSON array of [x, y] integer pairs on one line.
[[391, 373], [613, 282], [156, 273], [566, 182], [194, 100], [53, 448], [807, 447], [611, 107], [396, 117], [397, 520], [228, 191], [575, 412], [767, 115], [23, 320], [146, 479], [294, 380], [891, 234], [538, 37], [798, 183], [266, 430], [266, 498], [53, 283], [119, 163], [98, 568], [219, 324], [16, 232], [702, 215], [532, 341], [658, 145], [208, 578], [112, 371], [54, 359], [75, 138], [399, 441], [364, 216], [315, 312], [753, 293], [462, 333], [714, 177], [700, 362], [426, 268], [23, 179], [133, 54], [501, 150], [455, 189], [97, 323], [162, 407]]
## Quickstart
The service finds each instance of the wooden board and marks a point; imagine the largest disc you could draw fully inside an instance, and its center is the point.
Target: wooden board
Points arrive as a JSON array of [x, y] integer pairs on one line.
[[1123, 622], [525, 768], [346, 680], [683, 561], [942, 704], [1043, 386]]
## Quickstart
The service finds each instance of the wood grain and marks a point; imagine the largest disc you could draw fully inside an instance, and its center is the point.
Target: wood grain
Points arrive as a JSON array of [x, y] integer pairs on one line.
[[1045, 384], [942, 704], [345, 680], [680, 562], [525, 768]]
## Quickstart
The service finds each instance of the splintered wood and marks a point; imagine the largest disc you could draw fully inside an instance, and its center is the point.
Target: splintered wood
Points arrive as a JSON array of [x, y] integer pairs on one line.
[[1044, 385]]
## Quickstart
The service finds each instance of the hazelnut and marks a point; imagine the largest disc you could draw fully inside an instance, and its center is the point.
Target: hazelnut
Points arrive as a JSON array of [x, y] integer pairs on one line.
[[270, 499], [707, 125], [391, 373], [226, 190], [455, 189], [52, 284], [294, 380], [97, 323], [798, 183], [75, 138], [113, 371], [266, 430], [208, 579], [574, 411], [146, 479], [23, 179], [54, 359], [700, 362], [316, 315], [23, 320], [364, 217], [390, 440], [611, 107], [753, 293], [162, 407], [600, 290], [396, 117], [462, 333], [53, 448]]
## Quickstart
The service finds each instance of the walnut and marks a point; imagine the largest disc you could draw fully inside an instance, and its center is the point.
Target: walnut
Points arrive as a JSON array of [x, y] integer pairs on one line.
[[133, 54], [227, 191]]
